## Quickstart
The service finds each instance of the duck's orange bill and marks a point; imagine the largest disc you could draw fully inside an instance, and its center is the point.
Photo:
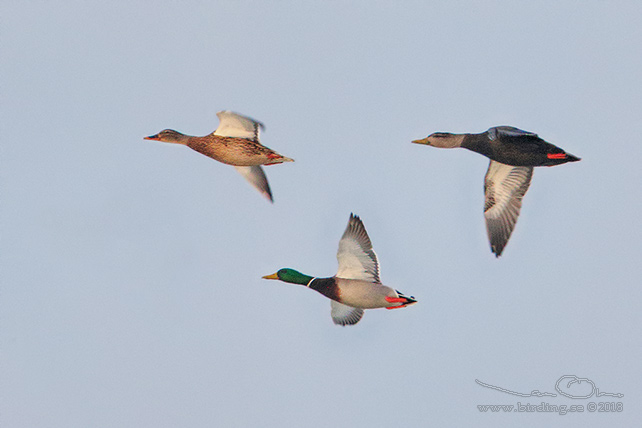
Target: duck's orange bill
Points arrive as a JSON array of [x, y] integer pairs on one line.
[[152, 137], [556, 155], [273, 276]]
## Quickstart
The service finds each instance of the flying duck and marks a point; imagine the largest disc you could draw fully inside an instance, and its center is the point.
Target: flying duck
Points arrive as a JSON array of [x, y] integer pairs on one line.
[[513, 153], [235, 142], [356, 286]]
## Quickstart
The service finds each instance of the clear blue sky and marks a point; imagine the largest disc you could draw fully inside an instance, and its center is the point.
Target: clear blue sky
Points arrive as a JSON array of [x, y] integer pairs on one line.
[[131, 270]]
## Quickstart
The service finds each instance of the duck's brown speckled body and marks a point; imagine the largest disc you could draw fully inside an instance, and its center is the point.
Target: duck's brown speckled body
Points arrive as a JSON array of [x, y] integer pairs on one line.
[[235, 151]]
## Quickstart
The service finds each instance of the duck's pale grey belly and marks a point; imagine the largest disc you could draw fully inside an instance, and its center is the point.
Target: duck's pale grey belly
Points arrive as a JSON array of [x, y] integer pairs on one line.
[[363, 294]]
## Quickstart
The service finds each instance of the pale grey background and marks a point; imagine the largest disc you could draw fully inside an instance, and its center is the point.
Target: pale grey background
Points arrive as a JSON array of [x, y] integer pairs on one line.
[[132, 292]]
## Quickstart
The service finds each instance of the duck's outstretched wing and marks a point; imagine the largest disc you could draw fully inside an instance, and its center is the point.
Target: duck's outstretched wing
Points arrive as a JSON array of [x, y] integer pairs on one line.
[[237, 126], [357, 259], [344, 314], [504, 188], [256, 176]]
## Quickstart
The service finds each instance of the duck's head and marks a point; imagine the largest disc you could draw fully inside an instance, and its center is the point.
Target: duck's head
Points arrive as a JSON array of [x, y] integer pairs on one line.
[[168, 136], [444, 140], [290, 275]]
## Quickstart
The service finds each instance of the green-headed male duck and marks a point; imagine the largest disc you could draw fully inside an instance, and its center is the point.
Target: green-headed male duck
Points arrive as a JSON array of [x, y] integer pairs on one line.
[[235, 142], [513, 153], [356, 286]]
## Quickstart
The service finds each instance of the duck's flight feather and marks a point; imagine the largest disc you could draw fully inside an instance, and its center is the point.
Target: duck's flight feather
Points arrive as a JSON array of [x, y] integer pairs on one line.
[[344, 314], [237, 126], [504, 188], [256, 176], [357, 259]]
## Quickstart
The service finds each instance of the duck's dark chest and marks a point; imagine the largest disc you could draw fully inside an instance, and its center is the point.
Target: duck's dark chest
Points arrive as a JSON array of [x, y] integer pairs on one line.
[[328, 287]]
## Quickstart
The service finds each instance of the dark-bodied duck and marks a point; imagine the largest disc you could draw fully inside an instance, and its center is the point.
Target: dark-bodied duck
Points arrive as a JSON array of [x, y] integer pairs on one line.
[[235, 142], [356, 286], [513, 153]]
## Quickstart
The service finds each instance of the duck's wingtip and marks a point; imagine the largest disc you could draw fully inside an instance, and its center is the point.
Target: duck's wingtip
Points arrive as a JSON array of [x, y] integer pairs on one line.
[[355, 217], [496, 251], [268, 195]]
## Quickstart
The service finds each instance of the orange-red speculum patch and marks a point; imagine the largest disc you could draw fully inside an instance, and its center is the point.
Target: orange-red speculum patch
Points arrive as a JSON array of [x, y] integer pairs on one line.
[[273, 156], [556, 155]]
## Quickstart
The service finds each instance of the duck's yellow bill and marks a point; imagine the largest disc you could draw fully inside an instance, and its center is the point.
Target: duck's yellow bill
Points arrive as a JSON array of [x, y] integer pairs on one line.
[[273, 276]]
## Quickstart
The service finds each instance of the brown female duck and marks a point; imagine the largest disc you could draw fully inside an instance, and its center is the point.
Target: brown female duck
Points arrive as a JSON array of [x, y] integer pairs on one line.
[[235, 142]]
